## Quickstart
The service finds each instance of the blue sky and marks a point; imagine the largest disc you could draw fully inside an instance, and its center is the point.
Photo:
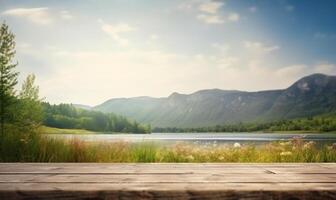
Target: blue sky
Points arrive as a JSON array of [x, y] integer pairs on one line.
[[89, 51]]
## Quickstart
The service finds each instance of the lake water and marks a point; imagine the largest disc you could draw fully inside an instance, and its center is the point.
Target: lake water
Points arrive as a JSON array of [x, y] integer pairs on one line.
[[220, 138]]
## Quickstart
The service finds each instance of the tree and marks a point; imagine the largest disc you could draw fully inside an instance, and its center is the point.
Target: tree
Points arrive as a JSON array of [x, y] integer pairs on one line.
[[30, 112], [8, 75]]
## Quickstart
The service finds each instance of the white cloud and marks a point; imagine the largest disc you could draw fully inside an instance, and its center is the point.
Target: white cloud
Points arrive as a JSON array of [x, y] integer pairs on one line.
[[210, 19], [295, 72], [116, 30], [227, 62], [222, 48], [35, 15], [260, 47], [207, 11], [292, 71], [41, 15], [154, 37], [210, 7], [325, 67], [186, 6], [233, 17], [253, 9], [64, 14]]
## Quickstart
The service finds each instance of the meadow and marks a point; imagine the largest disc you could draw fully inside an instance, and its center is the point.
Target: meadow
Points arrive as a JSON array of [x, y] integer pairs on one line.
[[34, 147]]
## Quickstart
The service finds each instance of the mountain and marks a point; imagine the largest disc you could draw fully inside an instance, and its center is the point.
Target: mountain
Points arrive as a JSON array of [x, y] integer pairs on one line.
[[311, 95]]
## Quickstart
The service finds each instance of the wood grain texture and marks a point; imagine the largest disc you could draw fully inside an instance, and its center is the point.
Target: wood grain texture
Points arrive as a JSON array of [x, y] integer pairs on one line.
[[167, 181]]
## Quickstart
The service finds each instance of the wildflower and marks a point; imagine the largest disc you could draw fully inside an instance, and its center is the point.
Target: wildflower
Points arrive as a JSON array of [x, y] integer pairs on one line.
[[333, 146], [236, 145], [308, 145], [214, 144], [286, 153], [297, 140], [285, 143]]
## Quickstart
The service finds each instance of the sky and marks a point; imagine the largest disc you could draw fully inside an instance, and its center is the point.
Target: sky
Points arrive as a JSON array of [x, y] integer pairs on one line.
[[88, 51]]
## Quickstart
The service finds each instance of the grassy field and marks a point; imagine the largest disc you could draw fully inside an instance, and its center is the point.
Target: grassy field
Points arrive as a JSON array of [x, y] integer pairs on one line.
[[34, 148], [50, 130]]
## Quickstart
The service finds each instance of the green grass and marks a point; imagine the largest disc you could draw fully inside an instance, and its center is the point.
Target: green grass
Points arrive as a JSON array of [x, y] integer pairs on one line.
[[17, 147], [50, 130]]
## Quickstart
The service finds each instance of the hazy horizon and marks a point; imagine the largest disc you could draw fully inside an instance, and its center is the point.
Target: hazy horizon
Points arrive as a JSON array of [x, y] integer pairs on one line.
[[87, 52], [274, 89]]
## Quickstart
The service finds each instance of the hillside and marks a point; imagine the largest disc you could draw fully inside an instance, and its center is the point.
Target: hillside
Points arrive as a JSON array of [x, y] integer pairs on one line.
[[311, 95]]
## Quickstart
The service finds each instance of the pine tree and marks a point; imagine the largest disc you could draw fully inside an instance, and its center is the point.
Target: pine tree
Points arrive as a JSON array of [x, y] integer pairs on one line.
[[8, 75]]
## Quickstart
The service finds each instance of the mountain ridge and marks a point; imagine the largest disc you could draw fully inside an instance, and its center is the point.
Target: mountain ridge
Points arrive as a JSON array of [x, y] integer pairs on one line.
[[311, 95]]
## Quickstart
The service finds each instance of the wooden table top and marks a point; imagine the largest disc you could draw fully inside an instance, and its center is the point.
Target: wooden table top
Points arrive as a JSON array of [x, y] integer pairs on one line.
[[167, 181]]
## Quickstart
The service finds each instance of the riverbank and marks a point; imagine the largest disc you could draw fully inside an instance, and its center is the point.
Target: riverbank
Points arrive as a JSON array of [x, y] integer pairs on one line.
[[34, 148], [51, 130]]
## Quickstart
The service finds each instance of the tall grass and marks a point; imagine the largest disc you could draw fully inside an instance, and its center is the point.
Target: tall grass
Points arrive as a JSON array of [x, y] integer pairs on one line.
[[35, 148]]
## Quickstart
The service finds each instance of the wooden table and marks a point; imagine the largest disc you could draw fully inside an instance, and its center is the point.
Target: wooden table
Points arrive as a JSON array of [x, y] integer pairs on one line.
[[167, 181]]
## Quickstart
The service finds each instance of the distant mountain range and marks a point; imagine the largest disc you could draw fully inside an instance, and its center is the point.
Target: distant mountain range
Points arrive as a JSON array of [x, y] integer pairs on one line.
[[309, 96]]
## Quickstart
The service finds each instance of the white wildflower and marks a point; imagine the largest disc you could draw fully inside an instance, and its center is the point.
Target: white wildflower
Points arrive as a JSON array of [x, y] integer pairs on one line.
[[236, 145], [286, 153]]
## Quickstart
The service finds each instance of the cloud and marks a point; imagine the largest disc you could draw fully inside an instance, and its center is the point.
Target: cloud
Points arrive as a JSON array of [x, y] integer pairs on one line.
[[208, 11], [35, 15], [41, 15], [325, 36], [210, 7], [260, 47], [154, 37], [217, 19], [233, 17], [253, 9], [64, 14], [325, 67], [222, 48], [298, 71], [186, 6], [227, 62], [289, 8], [210, 19], [291, 71], [116, 30]]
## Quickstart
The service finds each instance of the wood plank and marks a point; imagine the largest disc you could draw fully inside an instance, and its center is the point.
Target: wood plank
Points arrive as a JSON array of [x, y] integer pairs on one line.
[[167, 181], [168, 191], [166, 186], [107, 168], [170, 178]]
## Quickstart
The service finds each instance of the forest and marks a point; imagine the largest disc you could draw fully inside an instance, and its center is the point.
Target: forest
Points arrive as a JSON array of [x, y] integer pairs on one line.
[[70, 117], [322, 123]]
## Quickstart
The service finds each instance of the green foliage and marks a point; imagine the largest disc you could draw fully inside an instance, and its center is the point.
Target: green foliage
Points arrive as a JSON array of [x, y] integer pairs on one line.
[[50, 130], [36, 148], [29, 113], [70, 117], [8, 76], [20, 115], [323, 123]]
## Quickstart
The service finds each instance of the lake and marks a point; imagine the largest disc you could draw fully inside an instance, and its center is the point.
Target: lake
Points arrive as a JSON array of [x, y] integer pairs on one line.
[[220, 138]]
